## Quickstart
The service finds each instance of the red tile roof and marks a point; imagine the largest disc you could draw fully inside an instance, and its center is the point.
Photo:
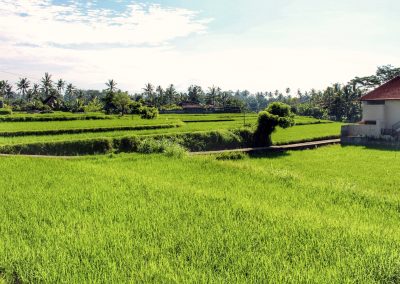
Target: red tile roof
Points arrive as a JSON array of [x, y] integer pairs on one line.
[[388, 91]]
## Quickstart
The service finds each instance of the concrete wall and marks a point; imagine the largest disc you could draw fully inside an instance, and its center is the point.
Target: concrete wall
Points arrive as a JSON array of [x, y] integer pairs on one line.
[[361, 130], [387, 114], [373, 112], [392, 113]]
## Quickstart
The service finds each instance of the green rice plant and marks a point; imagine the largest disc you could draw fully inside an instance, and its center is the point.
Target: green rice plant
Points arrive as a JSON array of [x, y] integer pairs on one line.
[[282, 218], [5, 111], [231, 156]]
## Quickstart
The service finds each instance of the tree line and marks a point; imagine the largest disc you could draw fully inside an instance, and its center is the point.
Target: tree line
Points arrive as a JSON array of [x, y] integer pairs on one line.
[[338, 102]]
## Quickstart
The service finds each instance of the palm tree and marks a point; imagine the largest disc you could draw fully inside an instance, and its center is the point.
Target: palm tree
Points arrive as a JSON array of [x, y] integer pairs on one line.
[[149, 93], [195, 94], [3, 88], [34, 93], [112, 86], [60, 86], [170, 94], [160, 93], [212, 94], [47, 84], [8, 94], [69, 92], [23, 86]]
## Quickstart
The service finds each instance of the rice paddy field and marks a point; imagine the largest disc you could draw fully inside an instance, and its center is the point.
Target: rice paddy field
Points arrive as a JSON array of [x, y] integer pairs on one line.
[[23, 132], [316, 216]]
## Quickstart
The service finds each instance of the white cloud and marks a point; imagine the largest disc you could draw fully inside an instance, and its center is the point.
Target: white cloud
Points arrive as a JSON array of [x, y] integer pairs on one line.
[[86, 46], [44, 23]]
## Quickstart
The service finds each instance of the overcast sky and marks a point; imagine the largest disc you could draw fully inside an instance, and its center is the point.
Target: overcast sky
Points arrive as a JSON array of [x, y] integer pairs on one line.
[[257, 45]]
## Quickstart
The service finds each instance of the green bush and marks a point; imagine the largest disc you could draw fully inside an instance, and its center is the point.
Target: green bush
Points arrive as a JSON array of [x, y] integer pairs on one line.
[[231, 156], [150, 145], [279, 109], [172, 145], [176, 151], [127, 144], [277, 114], [5, 111], [62, 148], [148, 112]]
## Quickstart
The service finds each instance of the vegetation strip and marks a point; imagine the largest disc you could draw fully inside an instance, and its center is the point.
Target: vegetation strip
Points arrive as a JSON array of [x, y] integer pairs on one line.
[[192, 141], [86, 130], [276, 148], [52, 118]]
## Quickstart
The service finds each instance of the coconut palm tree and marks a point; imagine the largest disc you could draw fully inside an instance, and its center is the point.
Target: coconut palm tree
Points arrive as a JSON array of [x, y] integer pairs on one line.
[[160, 96], [60, 86], [8, 93], [170, 94], [149, 93], [23, 86], [69, 92], [212, 94], [47, 84], [34, 93], [2, 88], [111, 86]]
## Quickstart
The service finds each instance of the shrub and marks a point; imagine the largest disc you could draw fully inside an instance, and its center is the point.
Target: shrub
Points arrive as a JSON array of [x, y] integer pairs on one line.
[[5, 111], [127, 144], [46, 109], [148, 112], [277, 114], [61, 148], [93, 106], [135, 107], [150, 145], [279, 109], [232, 156], [176, 151]]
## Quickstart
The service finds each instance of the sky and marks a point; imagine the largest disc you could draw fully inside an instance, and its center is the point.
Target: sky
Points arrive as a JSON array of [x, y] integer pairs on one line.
[[258, 45]]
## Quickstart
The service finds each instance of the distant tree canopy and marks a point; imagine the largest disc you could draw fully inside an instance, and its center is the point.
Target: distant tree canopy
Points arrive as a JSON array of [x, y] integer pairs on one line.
[[338, 102]]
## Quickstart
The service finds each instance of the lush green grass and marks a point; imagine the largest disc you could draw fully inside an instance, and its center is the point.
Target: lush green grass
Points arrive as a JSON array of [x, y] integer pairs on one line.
[[306, 132], [296, 133], [233, 120], [77, 124], [321, 216]]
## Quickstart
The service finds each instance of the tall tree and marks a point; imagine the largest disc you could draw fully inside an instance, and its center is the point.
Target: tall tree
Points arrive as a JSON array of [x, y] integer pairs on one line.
[[34, 93], [195, 94], [47, 84], [149, 94], [212, 95], [160, 96], [23, 86], [69, 93], [111, 86], [170, 94], [60, 86]]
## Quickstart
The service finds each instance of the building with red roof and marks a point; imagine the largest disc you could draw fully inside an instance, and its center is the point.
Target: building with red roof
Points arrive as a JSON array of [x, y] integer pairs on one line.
[[380, 113]]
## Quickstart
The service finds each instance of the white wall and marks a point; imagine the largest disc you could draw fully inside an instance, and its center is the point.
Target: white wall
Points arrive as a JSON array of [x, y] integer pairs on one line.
[[362, 130], [373, 113], [392, 113]]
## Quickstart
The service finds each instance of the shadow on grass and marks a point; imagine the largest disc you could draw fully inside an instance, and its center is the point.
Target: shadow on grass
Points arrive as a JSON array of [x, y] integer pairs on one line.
[[385, 148], [268, 154]]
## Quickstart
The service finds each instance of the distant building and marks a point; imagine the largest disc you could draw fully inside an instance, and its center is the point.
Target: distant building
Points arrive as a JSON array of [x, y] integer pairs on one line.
[[380, 114], [52, 101], [193, 108]]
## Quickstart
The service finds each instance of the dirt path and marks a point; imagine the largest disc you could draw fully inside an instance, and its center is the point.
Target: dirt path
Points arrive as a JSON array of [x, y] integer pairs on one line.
[[297, 146]]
